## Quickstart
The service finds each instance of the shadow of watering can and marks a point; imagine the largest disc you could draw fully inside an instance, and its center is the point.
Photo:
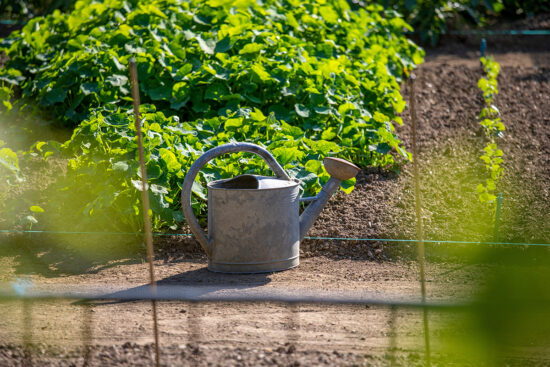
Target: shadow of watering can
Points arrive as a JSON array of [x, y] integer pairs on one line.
[[254, 224]]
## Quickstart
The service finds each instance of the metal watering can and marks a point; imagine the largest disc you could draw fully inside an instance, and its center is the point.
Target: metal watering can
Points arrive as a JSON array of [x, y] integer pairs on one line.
[[254, 224]]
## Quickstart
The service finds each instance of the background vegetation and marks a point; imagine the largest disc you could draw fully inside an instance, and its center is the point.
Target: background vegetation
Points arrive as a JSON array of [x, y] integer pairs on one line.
[[430, 18], [305, 79]]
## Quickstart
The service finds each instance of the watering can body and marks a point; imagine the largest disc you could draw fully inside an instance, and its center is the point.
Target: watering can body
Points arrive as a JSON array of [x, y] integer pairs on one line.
[[254, 225], [253, 229]]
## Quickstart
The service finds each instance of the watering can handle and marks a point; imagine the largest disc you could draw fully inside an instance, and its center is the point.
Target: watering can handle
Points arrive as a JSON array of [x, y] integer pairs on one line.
[[204, 159]]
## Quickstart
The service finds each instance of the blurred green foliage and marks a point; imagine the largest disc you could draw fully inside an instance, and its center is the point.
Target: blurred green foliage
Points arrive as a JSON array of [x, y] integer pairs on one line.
[[507, 322], [10, 172]]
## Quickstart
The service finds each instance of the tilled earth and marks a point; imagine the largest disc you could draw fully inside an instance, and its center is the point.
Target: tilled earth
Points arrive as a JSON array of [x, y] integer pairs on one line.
[[382, 206]]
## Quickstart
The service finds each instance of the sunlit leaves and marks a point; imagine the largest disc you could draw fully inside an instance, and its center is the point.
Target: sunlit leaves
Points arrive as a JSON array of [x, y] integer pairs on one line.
[[493, 128], [302, 110], [208, 46], [9, 160], [307, 79], [251, 48], [36, 209]]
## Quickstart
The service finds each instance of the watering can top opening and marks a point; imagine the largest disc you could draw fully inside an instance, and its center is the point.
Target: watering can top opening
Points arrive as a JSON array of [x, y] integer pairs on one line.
[[252, 182]]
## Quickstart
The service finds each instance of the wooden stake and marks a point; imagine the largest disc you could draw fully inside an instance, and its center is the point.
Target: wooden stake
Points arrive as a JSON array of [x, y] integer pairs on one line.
[[419, 232], [27, 333], [145, 203], [87, 332], [393, 336]]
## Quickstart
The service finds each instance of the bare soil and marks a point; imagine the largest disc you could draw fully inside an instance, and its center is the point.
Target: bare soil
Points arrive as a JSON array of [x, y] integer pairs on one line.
[[382, 206]]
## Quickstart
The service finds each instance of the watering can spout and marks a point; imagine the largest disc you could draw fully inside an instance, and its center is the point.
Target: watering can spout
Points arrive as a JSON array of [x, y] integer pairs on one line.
[[339, 170]]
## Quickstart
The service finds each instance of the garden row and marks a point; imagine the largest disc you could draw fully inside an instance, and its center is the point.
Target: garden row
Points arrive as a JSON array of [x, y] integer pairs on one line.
[[493, 128], [306, 79]]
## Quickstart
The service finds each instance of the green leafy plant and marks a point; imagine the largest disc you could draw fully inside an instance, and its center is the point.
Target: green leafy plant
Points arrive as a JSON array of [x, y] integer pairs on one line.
[[197, 59], [493, 128], [103, 177], [10, 174], [304, 78], [9, 166]]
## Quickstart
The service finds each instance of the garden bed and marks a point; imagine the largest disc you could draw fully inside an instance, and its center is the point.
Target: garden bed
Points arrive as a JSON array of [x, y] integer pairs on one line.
[[381, 206]]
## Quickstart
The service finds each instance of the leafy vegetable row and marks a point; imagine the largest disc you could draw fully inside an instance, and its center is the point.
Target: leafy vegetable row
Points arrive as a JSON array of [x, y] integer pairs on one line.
[[307, 79], [101, 180], [493, 128]]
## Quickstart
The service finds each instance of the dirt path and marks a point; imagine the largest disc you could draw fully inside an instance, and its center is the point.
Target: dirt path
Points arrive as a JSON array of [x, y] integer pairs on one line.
[[339, 330]]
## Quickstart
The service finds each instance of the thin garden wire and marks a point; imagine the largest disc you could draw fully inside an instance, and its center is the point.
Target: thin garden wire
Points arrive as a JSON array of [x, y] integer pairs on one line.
[[358, 239], [503, 32]]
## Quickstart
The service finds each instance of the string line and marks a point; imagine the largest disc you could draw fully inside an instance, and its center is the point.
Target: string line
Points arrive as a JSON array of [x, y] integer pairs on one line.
[[358, 239]]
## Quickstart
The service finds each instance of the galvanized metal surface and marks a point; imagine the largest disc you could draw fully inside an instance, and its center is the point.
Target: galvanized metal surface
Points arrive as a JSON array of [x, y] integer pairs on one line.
[[253, 230], [196, 167], [253, 221]]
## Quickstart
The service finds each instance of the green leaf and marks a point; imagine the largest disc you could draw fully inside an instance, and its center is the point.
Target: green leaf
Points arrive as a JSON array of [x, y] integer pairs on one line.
[[216, 92], [259, 70], [36, 209], [480, 188], [208, 46], [117, 80], [233, 123], [347, 186], [29, 219], [322, 110], [160, 93], [251, 48], [170, 159], [382, 148], [328, 134], [329, 14], [198, 190], [313, 166], [344, 108], [223, 45], [257, 115], [9, 159], [308, 178], [121, 166], [56, 95], [88, 88], [410, 4], [301, 110], [157, 189], [287, 155]]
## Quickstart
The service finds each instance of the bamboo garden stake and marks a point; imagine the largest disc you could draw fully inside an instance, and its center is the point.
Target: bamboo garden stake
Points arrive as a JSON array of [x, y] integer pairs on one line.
[[145, 203]]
